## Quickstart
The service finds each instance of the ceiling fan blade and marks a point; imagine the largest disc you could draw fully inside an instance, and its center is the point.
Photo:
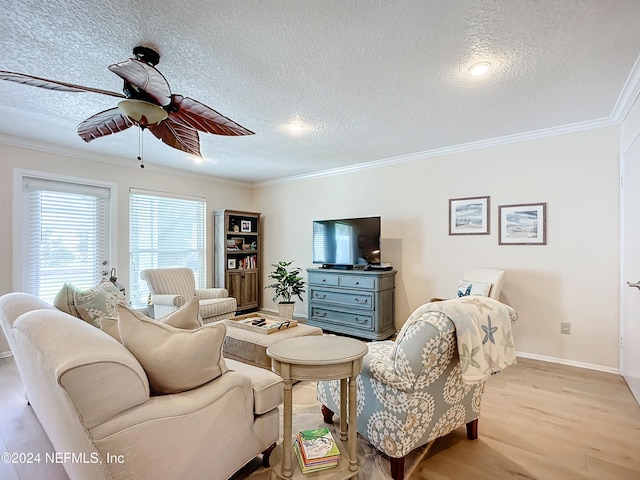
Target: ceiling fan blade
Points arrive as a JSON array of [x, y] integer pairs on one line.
[[52, 84], [144, 77], [102, 124], [197, 115], [177, 135]]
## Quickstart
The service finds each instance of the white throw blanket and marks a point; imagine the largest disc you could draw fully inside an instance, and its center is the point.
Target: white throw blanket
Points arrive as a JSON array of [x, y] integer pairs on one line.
[[484, 335]]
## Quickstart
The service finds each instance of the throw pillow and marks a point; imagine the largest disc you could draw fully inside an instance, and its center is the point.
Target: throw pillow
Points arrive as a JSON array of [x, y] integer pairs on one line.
[[186, 318], [65, 299], [98, 302], [466, 288], [174, 359]]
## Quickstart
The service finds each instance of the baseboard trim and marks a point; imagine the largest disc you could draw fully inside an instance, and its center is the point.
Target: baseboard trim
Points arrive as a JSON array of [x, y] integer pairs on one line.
[[571, 363], [5, 354]]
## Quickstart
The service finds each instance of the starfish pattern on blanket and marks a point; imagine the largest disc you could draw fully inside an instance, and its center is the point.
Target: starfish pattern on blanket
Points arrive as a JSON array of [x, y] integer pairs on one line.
[[489, 331], [466, 357], [477, 301]]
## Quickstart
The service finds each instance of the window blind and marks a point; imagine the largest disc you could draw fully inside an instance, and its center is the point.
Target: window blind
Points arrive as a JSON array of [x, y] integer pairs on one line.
[[65, 235], [165, 231]]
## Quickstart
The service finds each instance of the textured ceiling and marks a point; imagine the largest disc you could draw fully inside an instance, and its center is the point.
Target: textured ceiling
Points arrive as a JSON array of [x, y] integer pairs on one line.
[[374, 80]]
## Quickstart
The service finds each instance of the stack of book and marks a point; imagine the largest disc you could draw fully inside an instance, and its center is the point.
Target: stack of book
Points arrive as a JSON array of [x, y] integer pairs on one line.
[[316, 450]]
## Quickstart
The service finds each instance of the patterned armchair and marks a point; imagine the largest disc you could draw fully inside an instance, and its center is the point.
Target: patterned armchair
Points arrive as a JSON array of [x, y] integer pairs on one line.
[[171, 287], [411, 391]]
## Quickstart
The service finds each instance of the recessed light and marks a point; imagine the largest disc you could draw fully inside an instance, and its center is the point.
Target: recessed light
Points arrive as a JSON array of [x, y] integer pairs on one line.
[[479, 69], [296, 127]]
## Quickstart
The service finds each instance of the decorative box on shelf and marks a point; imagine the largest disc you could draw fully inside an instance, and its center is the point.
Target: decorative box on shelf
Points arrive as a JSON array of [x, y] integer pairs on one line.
[[257, 322]]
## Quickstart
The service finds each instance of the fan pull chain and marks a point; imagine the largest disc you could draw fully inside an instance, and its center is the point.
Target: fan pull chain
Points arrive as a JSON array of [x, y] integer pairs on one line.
[[140, 149]]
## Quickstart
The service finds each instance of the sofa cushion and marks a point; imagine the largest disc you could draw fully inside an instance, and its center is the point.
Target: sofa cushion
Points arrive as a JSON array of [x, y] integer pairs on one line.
[[187, 319], [98, 302], [175, 359], [65, 299], [266, 386], [465, 288]]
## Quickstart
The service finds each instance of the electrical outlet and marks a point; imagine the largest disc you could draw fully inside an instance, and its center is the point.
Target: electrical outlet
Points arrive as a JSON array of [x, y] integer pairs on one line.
[[565, 328]]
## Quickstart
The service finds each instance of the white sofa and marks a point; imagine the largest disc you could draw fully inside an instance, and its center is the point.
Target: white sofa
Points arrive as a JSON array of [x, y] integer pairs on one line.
[[92, 398]]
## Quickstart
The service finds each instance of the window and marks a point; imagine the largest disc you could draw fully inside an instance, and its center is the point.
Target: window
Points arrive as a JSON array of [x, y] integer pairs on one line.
[[64, 235], [165, 231]]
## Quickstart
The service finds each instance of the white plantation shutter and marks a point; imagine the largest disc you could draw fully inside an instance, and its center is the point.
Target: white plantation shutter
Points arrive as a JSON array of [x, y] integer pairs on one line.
[[165, 231], [65, 237]]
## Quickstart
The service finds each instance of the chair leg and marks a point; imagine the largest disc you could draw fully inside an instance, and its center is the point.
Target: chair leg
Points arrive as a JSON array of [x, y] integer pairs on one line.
[[472, 429], [267, 454], [397, 468], [327, 414]]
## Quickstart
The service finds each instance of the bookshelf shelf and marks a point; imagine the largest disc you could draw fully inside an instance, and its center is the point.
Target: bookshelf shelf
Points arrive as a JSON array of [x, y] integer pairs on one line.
[[238, 269]]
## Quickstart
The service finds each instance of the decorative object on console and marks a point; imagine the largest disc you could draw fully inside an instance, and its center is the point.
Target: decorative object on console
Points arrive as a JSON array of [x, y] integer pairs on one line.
[[469, 216], [148, 103], [288, 284], [524, 224]]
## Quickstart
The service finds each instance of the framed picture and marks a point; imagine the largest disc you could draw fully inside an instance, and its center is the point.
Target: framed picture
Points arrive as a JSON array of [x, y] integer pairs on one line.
[[469, 216], [231, 263], [245, 225], [524, 224]]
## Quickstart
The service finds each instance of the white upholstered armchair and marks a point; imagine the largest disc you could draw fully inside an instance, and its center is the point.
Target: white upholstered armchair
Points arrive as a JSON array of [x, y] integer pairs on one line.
[[486, 282], [171, 287]]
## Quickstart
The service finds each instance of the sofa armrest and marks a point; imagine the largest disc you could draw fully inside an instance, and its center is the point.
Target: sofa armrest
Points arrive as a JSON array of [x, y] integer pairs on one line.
[[167, 299], [209, 293], [167, 407]]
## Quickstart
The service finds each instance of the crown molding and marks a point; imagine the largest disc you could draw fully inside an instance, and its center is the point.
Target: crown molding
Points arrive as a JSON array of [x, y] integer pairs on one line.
[[438, 152], [628, 95]]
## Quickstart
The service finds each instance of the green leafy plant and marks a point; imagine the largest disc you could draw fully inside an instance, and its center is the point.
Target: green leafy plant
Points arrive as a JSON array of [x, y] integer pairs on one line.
[[288, 283]]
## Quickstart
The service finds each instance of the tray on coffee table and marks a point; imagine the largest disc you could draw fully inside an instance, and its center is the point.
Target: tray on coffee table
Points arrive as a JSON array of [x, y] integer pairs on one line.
[[271, 324]]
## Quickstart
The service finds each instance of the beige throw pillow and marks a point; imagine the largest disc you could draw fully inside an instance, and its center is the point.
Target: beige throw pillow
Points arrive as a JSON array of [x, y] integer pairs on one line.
[[174, 359], [187, 318], [98, 302], [65, 299]]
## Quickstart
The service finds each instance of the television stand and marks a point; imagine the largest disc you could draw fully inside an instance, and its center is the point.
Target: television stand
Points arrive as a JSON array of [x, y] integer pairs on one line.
[[354, 302]]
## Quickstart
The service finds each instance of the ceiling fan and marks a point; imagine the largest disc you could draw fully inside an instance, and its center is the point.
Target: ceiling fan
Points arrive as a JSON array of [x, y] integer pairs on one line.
[[147, 103]]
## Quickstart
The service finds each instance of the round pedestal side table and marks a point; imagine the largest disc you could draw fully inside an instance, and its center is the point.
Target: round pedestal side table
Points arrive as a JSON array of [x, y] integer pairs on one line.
[[319, 358]]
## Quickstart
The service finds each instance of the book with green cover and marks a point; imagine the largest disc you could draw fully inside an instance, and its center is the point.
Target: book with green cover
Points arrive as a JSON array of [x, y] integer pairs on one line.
[[318, 443], [311, 468]]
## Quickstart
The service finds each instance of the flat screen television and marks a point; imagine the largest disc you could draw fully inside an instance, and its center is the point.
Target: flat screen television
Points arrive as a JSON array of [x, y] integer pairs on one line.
[[346, 242]]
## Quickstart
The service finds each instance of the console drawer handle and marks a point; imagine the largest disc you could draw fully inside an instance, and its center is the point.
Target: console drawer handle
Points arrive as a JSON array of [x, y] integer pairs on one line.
[[319, 314], [361, 302], [356, 283], [361, 321], [321, 296]]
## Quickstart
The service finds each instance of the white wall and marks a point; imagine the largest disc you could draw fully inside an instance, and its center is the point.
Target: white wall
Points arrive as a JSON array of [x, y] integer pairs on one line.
[[218, 195], [574, 278]]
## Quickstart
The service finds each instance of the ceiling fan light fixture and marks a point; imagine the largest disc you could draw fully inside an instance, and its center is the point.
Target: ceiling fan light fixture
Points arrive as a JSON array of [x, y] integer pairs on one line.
[[142, 113], [479, 69]]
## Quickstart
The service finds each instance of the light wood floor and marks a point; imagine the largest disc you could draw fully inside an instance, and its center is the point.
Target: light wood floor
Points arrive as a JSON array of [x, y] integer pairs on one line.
[[539, 421]]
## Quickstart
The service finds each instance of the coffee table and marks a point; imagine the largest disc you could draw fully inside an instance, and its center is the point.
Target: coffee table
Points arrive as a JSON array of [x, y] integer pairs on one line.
[[250, 347], [319, 358]]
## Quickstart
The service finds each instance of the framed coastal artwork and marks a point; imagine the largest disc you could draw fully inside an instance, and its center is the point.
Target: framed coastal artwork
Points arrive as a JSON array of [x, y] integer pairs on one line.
[[524, 224], [469, 216]]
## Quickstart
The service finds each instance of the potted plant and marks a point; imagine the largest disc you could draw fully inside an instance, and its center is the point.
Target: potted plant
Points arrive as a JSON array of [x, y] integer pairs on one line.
[[288, 283]]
